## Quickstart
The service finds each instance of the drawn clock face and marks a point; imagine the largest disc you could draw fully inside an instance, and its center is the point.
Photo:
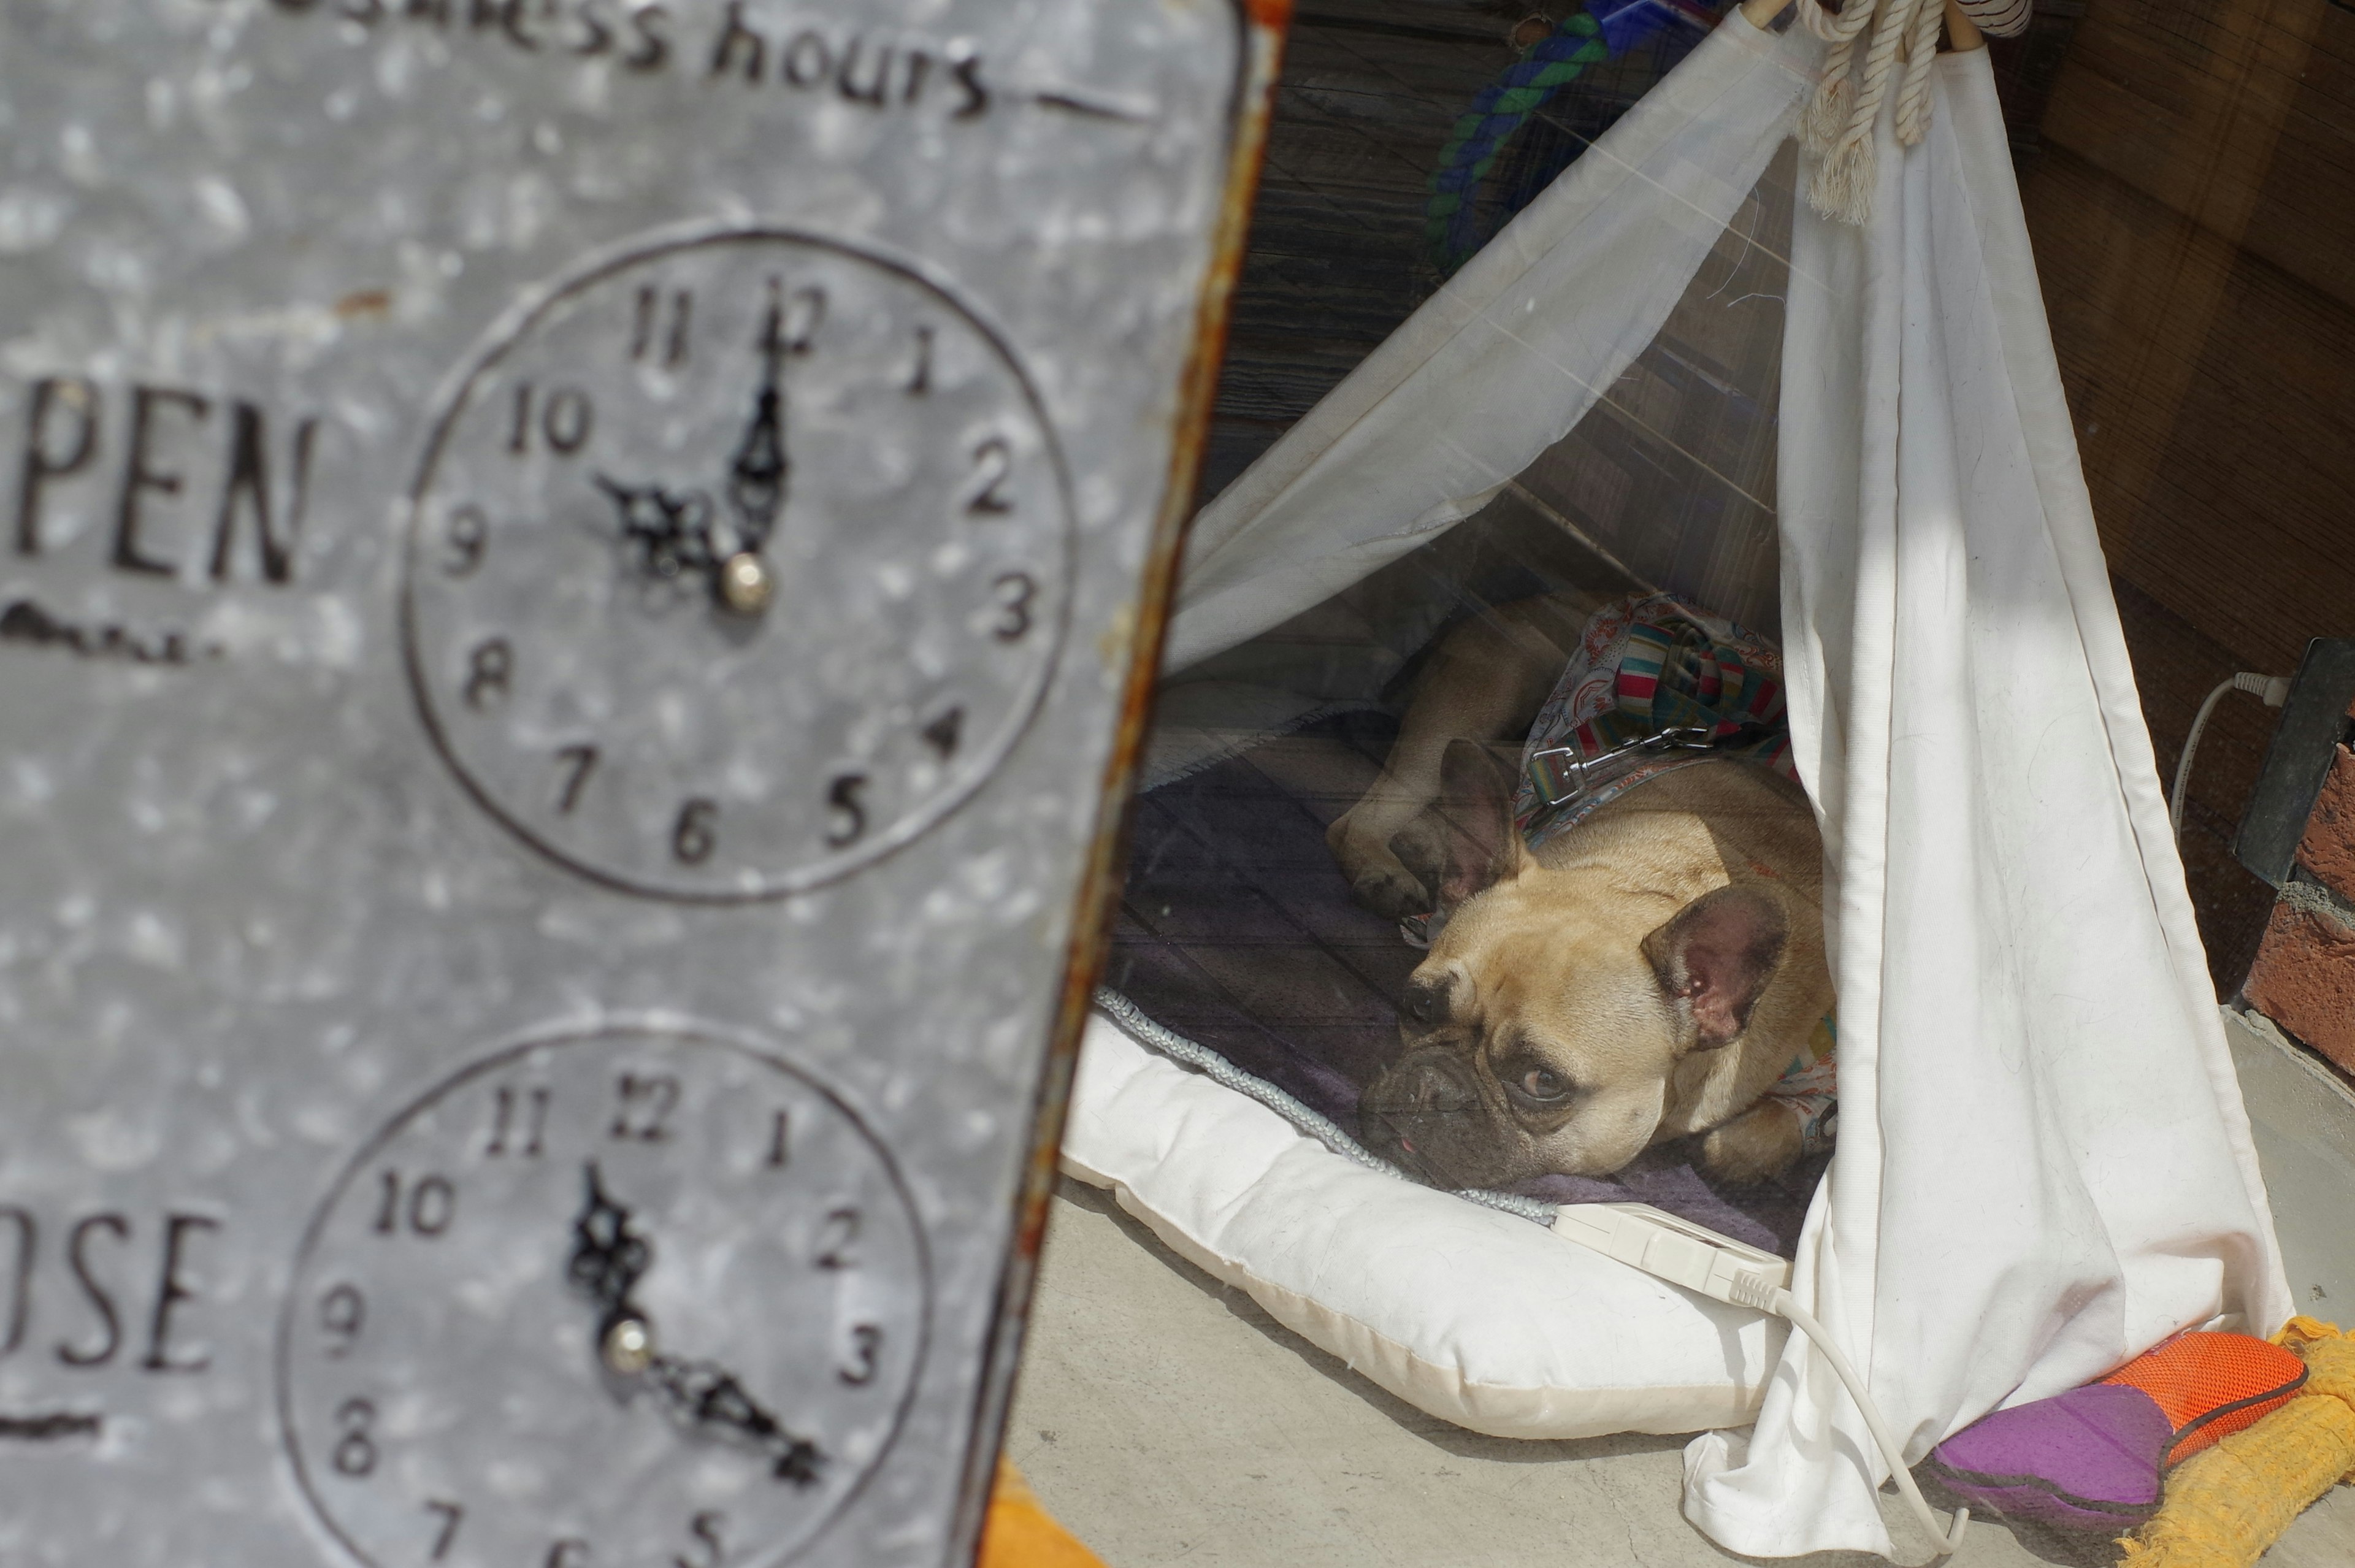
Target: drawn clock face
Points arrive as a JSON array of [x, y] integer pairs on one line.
[[636, 1297], [736, 564]]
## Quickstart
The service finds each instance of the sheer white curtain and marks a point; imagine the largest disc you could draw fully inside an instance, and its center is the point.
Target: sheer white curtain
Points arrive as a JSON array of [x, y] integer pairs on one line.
[[2043, 1165], [1499, 364]]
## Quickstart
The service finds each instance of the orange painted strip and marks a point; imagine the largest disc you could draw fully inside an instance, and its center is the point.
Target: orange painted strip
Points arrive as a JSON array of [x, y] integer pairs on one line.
[[1022, 1534]]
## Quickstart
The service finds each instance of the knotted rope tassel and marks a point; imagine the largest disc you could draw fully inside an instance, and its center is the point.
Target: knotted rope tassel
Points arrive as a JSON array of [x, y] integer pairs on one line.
[[1837, 124]]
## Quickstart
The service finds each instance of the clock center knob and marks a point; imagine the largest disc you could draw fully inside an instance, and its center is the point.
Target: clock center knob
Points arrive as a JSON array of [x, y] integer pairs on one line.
[[746, 584], [629, 1346]]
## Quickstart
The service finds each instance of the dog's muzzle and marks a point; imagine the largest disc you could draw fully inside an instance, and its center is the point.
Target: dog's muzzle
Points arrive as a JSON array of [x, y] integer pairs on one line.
[[1419, 1109]]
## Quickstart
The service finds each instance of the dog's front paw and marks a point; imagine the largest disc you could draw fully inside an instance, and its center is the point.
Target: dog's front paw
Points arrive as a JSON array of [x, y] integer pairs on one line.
[[1394, 895], [1378, 880], [1756, 1146]]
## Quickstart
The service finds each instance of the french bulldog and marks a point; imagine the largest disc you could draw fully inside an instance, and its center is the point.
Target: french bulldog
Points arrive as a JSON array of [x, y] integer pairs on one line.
[[1646, 975]]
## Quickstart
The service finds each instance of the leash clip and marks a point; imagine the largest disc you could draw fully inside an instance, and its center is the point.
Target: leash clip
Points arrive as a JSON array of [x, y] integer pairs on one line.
[[1560, 774], [1681, 738]]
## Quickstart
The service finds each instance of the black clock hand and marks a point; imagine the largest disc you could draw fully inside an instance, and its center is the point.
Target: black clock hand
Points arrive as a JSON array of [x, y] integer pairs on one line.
[[672, 533], [756, 482], [608, 1259], [705, 1398], [756, 486], [609, 1256]]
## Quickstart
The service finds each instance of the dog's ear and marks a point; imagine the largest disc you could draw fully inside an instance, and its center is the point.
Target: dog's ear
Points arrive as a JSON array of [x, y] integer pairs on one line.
[[1482, 845], [1714, 957]]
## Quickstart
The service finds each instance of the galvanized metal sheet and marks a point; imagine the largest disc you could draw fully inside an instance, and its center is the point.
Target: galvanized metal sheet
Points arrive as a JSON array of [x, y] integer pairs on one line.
[[573, 588]]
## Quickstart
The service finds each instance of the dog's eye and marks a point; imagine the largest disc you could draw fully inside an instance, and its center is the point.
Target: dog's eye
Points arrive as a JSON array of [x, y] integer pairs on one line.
[[1539, 1084]]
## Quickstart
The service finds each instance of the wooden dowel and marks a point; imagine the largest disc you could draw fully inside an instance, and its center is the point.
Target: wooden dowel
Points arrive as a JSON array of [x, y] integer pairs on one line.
[[1962, 33]]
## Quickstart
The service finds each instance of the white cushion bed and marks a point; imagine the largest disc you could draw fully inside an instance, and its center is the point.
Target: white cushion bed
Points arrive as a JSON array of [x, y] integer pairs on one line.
[[1479, 1317]]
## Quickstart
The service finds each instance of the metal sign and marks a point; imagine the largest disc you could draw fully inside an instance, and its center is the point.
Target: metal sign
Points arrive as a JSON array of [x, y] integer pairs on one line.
[[578, 583]]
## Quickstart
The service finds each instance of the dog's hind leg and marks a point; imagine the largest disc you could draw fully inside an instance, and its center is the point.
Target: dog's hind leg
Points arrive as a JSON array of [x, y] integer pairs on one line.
[[1485, 682]]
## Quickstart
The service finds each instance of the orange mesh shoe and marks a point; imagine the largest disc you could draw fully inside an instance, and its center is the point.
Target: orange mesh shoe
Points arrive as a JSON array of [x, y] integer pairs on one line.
[[2209, 1385], [2094, 1457]]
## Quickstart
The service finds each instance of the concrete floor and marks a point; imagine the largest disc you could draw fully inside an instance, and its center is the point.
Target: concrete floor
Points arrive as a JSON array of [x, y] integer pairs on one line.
[[1165, 1420]]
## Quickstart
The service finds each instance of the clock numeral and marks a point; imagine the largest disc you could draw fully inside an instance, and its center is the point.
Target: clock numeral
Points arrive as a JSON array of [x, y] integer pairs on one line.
[[432, 1203], [583, 761], [706, 1528], [353, 1454], [648, 329], [834, 1242], [343, 1313], [691, 839], [1016, 590], [845, 797], [20, 1270], [489, 668], [643, 1106], [794, 328], [865, 1339], [993, 465], [451, 1514], [781, 1132], [566, 416], [920, 379], [468, 532], [502, 1119], [945, 731]]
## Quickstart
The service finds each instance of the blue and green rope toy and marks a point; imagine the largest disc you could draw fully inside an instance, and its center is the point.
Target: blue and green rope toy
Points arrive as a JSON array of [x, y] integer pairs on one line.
[[1605, 30]]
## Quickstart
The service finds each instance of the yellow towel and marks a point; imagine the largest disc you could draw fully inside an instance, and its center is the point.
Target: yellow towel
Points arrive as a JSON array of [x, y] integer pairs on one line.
[[1021, 1534], [2224, 1507]]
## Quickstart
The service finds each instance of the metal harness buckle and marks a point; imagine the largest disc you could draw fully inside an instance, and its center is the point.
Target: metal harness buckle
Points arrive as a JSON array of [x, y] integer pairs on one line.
[[1560, 775]]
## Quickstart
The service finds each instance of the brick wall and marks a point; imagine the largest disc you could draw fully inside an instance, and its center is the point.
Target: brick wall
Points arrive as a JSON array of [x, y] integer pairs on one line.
[[2304, 978]]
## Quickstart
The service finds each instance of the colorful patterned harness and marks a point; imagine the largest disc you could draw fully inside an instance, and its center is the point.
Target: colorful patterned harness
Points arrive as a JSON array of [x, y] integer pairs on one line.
[[1659, 683]]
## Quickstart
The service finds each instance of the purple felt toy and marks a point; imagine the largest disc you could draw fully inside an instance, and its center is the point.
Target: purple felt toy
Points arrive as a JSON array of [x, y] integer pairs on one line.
[[2087, 1459]]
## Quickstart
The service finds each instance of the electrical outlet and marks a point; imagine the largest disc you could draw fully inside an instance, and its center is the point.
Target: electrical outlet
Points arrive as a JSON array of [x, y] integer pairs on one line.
[[2313, 722]]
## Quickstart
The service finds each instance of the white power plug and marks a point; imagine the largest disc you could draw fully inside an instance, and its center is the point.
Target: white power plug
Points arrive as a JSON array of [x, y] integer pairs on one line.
[[1677, 1249], [2272, 690]]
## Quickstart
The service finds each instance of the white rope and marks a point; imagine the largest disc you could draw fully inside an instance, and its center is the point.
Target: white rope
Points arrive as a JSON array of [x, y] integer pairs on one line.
[[1837, 125]]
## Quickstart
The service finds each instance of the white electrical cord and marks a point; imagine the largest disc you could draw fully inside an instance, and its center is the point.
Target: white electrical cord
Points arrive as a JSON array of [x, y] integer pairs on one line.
[[2273, 689], [1941, 1540], [1779, 1302], [1668, 1247]]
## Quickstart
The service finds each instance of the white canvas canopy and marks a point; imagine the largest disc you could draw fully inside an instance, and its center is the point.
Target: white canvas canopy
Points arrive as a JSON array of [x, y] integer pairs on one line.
[[2043, 1165]]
